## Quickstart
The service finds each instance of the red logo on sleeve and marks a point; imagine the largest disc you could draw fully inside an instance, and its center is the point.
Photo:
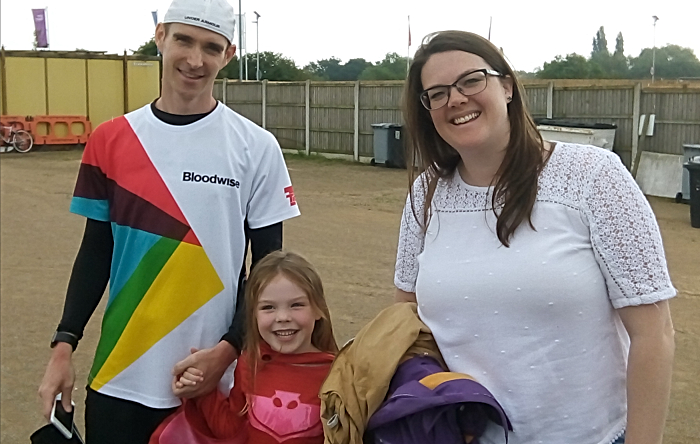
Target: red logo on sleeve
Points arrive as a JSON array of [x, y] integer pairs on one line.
[[289, 193]]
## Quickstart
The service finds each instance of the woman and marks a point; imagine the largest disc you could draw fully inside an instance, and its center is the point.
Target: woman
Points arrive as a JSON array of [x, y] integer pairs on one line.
[[537, 265]]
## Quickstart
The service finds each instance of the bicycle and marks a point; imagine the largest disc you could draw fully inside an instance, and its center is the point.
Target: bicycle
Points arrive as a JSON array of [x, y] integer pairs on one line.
[[21, 140]]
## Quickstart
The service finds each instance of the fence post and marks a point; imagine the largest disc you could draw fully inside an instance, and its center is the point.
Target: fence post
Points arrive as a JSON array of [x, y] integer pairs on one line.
[[87, 88], [264, 104], [356, 129], [307, 135], [3, 75], [224, 96], [636, 108], [550, 100], [126, 83]]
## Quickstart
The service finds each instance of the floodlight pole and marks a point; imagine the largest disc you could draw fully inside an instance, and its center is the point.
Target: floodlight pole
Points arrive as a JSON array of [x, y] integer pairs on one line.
[[240, 42], [653, 51], [257, 46]]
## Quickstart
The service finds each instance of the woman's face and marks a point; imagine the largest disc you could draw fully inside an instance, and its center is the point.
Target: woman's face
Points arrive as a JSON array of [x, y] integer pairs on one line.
[[476, 122]]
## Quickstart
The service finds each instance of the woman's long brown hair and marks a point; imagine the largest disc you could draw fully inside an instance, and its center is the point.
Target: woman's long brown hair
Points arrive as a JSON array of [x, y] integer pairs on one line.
[[515, 187], [300, 271]]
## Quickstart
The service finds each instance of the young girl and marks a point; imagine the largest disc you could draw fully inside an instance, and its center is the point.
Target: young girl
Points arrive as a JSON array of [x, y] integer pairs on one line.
[[289, 347]]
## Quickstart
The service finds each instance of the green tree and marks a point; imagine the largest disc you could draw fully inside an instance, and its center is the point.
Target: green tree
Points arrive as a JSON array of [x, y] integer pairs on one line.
[[619, 45], [148, 48], [273, 66], [325, 69], [393, 67], [573, 66], [600, 55], [334, 69], [672, 62], [354, 68], [600, 44], [230, 71], [618, 67], [526, 74]]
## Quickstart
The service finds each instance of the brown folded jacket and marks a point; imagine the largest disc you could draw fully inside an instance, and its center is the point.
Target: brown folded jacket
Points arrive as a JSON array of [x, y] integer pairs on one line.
[[360, 375]]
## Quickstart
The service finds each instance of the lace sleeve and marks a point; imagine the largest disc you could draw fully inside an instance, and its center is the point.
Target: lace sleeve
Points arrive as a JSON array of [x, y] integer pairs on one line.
[[411, 238], [626, 237]]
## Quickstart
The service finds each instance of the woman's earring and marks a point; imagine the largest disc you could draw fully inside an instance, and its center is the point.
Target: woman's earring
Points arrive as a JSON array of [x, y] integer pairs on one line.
[[509, 99]]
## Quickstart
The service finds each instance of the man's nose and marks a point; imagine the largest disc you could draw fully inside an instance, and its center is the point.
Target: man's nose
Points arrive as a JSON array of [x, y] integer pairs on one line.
[[194, 58]]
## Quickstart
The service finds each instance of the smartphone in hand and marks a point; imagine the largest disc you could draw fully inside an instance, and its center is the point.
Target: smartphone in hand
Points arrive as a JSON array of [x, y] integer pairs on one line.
[[61, 419]]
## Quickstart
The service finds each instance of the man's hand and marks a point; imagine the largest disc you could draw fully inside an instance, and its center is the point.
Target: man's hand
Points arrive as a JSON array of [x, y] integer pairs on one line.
[[200, 372], [58, 378]]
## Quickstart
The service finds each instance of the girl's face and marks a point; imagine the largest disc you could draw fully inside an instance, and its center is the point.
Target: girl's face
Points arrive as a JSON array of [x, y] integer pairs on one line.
[[474, 122], [285, 317]]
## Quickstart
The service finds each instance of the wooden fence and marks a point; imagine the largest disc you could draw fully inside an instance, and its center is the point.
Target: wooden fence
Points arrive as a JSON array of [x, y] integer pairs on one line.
[[336, 117]]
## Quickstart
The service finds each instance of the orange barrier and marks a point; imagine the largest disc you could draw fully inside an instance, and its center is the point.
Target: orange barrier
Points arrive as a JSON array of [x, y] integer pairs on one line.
[[52, 130], [60, 130]]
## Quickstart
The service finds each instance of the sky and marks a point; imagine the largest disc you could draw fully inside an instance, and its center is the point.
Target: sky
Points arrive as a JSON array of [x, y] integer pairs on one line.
[[529, 32]]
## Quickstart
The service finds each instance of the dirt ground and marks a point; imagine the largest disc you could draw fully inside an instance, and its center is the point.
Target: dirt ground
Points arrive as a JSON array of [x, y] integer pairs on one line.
[[349, 229]]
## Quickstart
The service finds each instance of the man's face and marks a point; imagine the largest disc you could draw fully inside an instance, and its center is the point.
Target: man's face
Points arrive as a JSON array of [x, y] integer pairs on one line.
[[192, 57]]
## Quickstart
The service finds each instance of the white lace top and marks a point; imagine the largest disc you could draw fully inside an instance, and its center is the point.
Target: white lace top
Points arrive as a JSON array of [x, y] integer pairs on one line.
[[535, 323]]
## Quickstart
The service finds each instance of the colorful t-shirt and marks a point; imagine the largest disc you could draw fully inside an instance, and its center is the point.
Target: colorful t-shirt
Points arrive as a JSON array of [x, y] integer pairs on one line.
[[281, 406], [177, 198]]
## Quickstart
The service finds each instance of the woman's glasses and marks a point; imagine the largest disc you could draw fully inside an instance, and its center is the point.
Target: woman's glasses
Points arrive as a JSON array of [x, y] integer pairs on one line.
[[469, 84]]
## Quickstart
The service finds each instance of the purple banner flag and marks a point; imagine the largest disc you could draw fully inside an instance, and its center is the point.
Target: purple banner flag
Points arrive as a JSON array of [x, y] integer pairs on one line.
[[42, 40]]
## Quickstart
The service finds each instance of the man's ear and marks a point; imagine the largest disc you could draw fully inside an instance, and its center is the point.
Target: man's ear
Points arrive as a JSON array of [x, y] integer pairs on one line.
[[160, 36], [230, 52]]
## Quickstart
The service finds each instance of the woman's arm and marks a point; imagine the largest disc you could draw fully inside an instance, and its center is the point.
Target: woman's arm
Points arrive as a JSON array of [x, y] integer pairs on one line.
[[649, 370]]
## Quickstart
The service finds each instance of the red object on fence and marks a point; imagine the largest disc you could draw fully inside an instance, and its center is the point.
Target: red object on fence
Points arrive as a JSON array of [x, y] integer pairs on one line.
[[46, 129], [51, 136], [17, 122]]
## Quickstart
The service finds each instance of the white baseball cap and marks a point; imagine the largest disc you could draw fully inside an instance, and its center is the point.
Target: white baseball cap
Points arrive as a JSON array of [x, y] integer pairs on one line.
[[214, 15]]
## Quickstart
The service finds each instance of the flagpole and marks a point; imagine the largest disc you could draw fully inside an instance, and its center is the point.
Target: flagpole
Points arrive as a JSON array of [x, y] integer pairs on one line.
[[154, 14], [46, 21], [408, 48]]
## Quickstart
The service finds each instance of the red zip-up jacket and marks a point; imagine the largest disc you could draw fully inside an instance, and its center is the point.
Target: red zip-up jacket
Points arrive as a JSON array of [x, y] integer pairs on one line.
[[282, 405]]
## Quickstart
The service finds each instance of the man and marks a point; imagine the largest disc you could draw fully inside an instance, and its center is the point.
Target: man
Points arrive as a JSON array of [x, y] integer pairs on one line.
[[172, 192]]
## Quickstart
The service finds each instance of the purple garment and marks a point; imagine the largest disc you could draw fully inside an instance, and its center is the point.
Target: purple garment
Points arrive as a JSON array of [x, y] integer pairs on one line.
[[42, 39], [415, 413]]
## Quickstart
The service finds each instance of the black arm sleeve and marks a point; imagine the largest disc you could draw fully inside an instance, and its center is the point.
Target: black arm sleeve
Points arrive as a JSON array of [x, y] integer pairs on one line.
[[262, 242], [89, 277]]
